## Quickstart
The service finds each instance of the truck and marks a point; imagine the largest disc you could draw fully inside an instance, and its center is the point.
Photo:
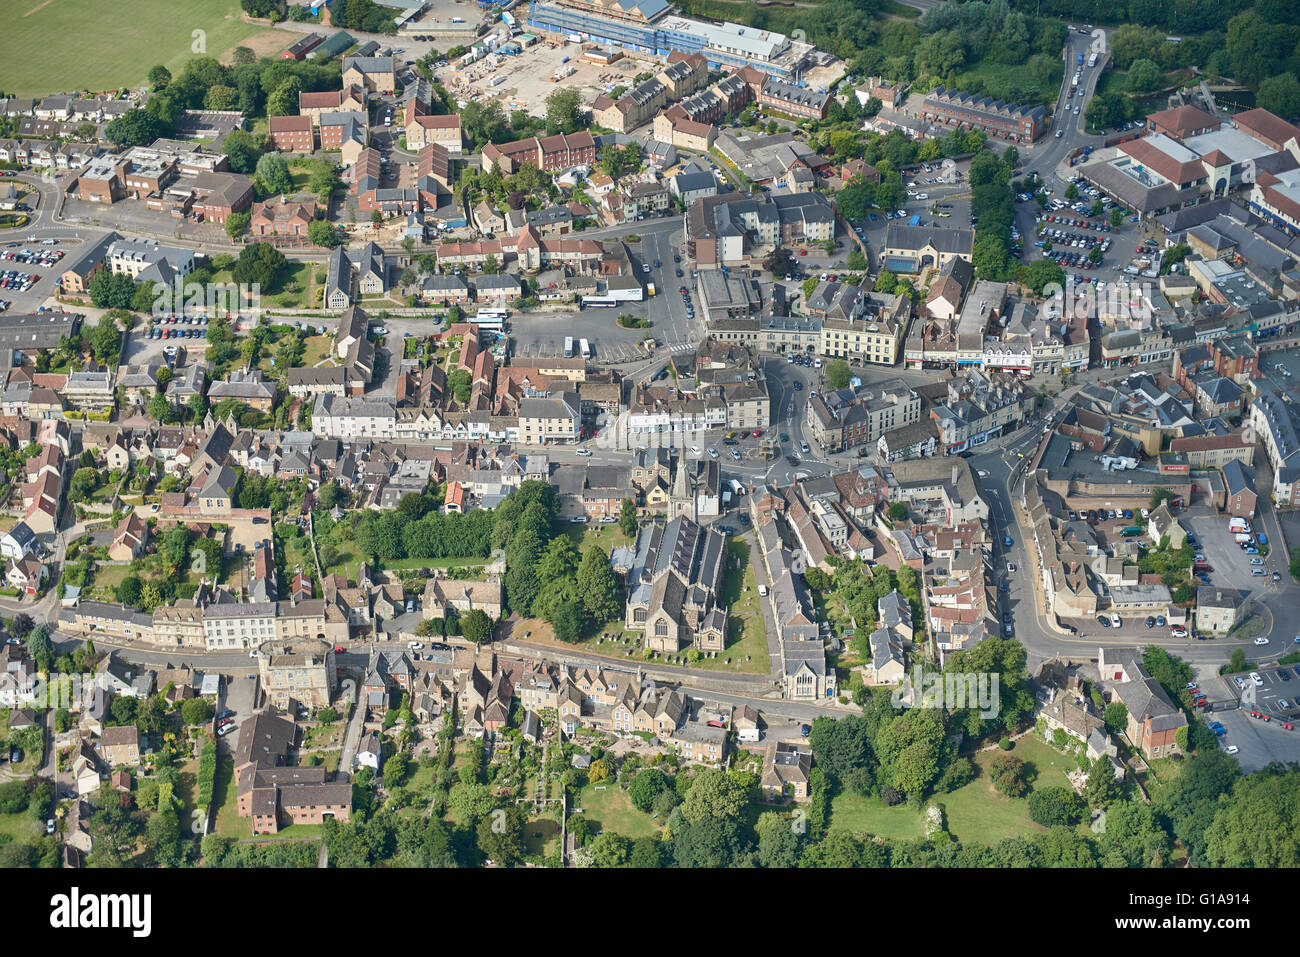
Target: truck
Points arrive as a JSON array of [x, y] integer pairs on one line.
[[1075, 81], [497, 81], [1078, 60], [914, 221], [1242, 537], [1132, 531], [650, 289], [1237, 524], [1092, 60]]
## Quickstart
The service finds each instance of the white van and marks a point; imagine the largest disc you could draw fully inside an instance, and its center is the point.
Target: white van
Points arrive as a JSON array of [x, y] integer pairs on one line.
[[762, 591]]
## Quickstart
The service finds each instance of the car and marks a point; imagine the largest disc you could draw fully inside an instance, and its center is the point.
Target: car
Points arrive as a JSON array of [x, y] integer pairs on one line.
[[228, 713], [49, 825], [1116, 621], [1284, 704], [1103, 621], [1151, 622], [696, 451], [792, 459], [1258, 572], [1160, 621], [803, 730], [1261, 640], [1257, 561], [1284, 674], [713, 453], [1178, 631], [1059, 134], [584, 452], [1011, 567], [735, 455], [757, 433], [1230, 749], [227, 729], [803, 447], [798, 386], [1254, 676]]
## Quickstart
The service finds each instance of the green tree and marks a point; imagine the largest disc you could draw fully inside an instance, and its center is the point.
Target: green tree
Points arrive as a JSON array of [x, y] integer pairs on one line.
[[273, 173], [501, 836], [598, 586], [1055, 806], [717, 794], [627, 518], [196, 711], [778, 841], [237, 224], [323, 233], [564, 110], [569, 621], [646, 788], [838, 374], [1115, 717], [476, 626], [1143, 77], [1281, 95], [1011, 776], [1256, 827]]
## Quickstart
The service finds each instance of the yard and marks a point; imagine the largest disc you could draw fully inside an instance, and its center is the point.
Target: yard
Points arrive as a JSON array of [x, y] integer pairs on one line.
[[608, 807], [976, 813], [22, 827], [317, 349], [229, 823], [120, 49], [608, 537], [746, 649], [542, 836]]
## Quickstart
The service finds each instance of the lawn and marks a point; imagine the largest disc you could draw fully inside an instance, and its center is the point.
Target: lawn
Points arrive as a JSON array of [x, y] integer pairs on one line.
[[229, 823], [608, 537], [21, 826], [316, 349], [746, 637], [542, 836], [609, 808], [976, 813], [119, 50]]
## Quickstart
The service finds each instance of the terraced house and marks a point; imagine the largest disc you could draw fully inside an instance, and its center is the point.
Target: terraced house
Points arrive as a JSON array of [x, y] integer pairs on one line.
[[1010, 121]]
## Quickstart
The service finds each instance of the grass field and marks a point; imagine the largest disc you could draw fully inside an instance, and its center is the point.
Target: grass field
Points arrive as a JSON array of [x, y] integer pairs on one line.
[[610, 809], [51, 46]]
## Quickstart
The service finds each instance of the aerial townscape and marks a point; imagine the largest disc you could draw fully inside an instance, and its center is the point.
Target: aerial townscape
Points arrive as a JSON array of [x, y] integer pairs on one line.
[[650, 434]]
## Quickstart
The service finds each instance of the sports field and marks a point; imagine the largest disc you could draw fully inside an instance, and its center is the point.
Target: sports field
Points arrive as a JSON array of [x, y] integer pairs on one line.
[[61, 46]]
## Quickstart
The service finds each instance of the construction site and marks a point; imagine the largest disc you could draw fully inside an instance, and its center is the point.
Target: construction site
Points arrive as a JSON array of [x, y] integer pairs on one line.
[[523, 80]]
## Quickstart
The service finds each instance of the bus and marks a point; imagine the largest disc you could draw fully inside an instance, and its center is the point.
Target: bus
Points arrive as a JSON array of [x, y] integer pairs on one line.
[[493, 314], [488, 326], [598, 302], [585, 347], [568, 347]]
